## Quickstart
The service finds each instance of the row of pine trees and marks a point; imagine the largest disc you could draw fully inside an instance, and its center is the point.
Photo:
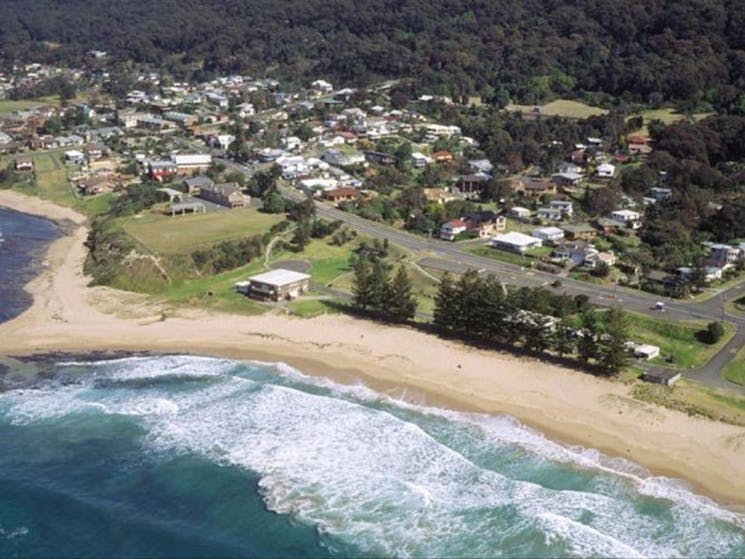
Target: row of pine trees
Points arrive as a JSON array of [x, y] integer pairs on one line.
[[481, 308]]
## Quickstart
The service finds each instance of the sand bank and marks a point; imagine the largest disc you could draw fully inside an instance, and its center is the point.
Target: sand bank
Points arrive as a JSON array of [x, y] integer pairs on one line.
[[570, 406]]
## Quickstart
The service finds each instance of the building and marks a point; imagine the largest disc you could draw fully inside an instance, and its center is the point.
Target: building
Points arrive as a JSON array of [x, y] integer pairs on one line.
[[442, 156], [75, 156], [322, 86], [452, 229], [723, 256], [576, 252], [646, 351], [605, 171], [515, 242], [520, 213], [548, 234], [565, 207], [629, 218], [191, 163], [183, 208], [275, 285], [341, 194], [419, 160], [481, 166], [381, 158], [343, 159], [227, 194], [579, 232], [23, 164], [550, 214], [662, 376], [567, 179], [195, 184]]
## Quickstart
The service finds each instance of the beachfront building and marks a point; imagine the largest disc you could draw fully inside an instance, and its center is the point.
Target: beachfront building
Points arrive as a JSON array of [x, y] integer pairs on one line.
[[275, 285]]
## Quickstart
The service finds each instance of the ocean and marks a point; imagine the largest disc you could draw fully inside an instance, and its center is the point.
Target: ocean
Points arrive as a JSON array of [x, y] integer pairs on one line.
[[185, 456], [23, 240]]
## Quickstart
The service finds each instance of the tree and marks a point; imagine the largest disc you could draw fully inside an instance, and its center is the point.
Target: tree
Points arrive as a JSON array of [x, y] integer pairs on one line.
[[446, 305], [363, 290], [274, 203], [564, 342], [401, 304], [587, 345], [612, 354], [714, 332], [302, 235]]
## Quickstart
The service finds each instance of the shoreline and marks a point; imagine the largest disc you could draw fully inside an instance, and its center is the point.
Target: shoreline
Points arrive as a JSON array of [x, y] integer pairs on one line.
[[567, 406]]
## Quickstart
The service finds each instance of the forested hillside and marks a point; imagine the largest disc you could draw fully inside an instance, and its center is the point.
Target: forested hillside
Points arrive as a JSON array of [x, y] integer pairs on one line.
[[531, 50]]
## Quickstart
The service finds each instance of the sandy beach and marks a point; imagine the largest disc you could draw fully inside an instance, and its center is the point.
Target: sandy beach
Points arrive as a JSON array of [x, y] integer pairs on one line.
[[569, 406]]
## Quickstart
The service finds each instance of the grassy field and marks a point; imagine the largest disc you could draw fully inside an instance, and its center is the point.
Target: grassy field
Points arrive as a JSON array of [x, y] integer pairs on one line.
[[694, 399], [734, 371], [511, 257], [677, 339], [173, 235], [8, 106], [667, 116], [561, 107]]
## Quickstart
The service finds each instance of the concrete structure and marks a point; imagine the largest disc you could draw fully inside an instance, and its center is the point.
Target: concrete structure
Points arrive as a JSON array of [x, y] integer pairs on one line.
[[520, 213], [194, 185], [275, 285], [184, 208], [516, 242], [191, 163], [23, 164]]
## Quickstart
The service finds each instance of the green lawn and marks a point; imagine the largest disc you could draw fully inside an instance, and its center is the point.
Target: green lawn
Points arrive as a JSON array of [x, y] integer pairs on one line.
[[8, 106], [734, 371], [566, 108], [667, 116], [308, 308], [677, 339], [510, 257], [173, 235]]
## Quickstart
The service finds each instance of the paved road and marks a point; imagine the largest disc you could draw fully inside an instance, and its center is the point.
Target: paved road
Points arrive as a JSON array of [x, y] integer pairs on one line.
[[448, 256]]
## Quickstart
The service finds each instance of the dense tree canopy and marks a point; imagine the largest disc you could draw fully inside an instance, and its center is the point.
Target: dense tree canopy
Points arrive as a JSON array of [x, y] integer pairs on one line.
[[680, 50]]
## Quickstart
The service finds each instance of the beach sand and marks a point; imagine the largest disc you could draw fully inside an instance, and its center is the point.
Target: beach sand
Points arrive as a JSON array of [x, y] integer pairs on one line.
[[566, 405]]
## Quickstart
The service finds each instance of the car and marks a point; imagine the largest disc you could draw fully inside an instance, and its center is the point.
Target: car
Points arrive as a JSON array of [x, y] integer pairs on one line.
[[660, 306]]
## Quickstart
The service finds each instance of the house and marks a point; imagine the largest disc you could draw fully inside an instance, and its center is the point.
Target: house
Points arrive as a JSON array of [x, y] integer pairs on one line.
[[218, 100], [381, 158], [442, 156], [419, 160], [566, 167], [548, 234], [291, 143], [579, 232], [486, 223], [481, 166], [515, 242], [275, 285], [75, 156], [566, 208], [322, 86], [723, 256], [660, 193], [191, 163], [592, 261], [227, 194], [629, 218], [567, 179], [439, 195], [23, 164], [662, 376], [195, 184], [576, 252], [605, 171], [646, 351], [452, 229], [550, 214], [520, 213], [472, 185], [343, 194], [536, 188]]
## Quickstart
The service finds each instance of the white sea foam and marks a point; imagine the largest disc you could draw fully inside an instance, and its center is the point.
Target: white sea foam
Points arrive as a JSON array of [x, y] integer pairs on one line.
[[387, 476]]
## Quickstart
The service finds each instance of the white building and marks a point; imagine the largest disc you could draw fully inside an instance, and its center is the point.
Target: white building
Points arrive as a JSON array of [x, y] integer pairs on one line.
[[646, 351], [420, 160], [548, 234], [515, 242], [630, 218], [322, 86], [606, 171], [519, 212], [452, 229], [565, 207]]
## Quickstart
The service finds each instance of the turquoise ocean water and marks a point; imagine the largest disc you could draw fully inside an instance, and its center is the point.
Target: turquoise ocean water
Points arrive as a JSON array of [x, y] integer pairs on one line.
[[182, 456]]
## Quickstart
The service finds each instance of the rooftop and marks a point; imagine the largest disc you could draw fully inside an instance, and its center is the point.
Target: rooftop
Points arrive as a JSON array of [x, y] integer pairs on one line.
[[279, 277]]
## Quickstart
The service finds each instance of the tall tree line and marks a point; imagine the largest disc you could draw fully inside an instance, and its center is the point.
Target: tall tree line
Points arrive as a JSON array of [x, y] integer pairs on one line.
[[481, 308]]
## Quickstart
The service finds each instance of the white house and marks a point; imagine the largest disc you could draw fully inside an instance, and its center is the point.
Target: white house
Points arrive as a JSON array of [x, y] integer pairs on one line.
[[550, 214], [548, 234], [75, 156], [519, 212], [515, 242], [420, 160], [291, 143], [218, 100], [322, 86], [563, 206], [646, 351], [606, 171], [629, 218], [451, 229]]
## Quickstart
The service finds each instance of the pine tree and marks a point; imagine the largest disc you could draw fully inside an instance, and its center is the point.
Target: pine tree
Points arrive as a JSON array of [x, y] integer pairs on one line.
[[379, 285], [492, 309], [564, 342], [401, 304], [612, 353], [446, 305], [469, 298], [587, 346], [362, 288]]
